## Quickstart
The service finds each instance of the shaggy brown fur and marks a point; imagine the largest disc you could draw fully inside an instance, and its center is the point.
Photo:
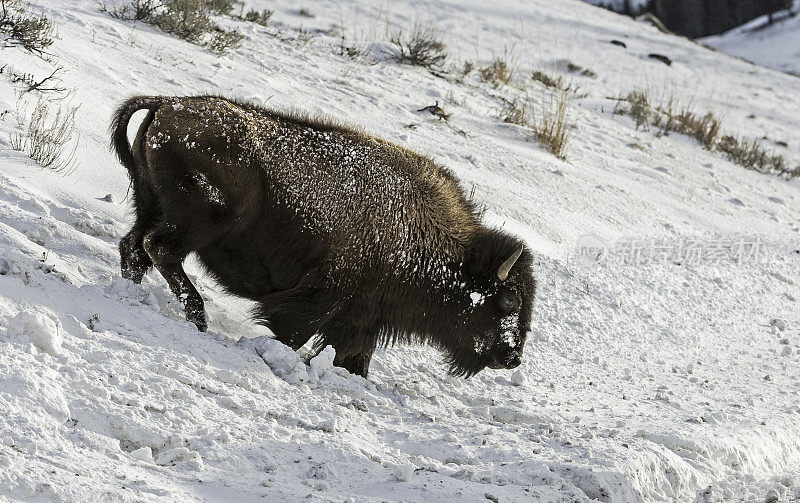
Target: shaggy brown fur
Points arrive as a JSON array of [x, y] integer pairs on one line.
[[332, 231]]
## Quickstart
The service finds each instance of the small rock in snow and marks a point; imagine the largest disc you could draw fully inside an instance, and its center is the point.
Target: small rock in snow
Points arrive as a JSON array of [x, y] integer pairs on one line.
[[787, 351], [328, 425], [143, 454], [518, 378], [778, 323], [403, 471], [109, 198], [43, 330], [773, 496], [181, 455]]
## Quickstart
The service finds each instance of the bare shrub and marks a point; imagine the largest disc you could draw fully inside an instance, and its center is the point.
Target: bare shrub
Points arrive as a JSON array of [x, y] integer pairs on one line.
[[300, 38], [51, 83], [22, 28], [138, 10], [497, 72], [189, 20], [551, 124], [257, 17], [305, 12], [186, 19], [47, 136], [220, 7], [223, 41], [422, 48]]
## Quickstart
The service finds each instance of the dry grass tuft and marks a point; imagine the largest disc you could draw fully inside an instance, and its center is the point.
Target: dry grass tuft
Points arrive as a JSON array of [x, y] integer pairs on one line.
[[47, 136], [672, 117], [706, 128], [751, 154], [548, 80], [497, 72], [551, 123]]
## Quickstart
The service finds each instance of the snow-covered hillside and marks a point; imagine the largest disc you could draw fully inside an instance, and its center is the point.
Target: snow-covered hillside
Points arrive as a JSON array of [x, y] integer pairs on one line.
[[670, 379], [776, 46]]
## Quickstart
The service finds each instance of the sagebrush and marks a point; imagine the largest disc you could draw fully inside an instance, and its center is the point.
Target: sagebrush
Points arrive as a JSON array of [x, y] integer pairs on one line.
[[498, 72], [189, 20], [423, 47], [20, 27], [48, 136]]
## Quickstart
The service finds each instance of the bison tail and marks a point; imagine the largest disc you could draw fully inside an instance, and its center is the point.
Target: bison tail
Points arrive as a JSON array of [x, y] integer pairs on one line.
[[119, 126]]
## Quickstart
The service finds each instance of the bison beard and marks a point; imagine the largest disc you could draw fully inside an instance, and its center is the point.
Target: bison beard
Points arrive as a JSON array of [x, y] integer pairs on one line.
[[332, 232]]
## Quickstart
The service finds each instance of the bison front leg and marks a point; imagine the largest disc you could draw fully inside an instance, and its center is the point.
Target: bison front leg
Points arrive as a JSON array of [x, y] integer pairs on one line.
[[357, 363], [168, 259], [354, 345]]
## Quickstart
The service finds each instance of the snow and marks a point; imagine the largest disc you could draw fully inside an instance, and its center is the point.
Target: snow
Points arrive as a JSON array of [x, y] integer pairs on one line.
[[43, 330], [776, 46], [647, 381]]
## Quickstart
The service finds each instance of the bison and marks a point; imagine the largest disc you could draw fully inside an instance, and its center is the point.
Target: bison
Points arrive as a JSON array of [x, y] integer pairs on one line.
[[331, 231]]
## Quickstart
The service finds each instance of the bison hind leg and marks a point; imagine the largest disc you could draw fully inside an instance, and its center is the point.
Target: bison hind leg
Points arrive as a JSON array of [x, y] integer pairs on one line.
[[163, 247], [134, 260]]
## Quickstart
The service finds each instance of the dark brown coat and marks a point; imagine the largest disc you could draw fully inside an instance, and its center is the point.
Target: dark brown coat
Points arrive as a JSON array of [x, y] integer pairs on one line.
[[332, 231]]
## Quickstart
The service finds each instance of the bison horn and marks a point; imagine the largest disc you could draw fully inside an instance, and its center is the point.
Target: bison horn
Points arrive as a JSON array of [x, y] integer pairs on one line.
[[502, 273]]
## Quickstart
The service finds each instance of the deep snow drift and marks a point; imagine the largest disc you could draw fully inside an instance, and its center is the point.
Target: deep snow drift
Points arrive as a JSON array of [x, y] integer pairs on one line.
[[672, 378]]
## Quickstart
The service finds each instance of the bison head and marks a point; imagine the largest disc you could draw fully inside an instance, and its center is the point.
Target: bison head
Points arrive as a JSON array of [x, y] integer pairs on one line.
[[496, 317]]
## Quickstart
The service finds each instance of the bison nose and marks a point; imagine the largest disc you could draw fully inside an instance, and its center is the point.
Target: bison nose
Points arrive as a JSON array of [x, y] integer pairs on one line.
[[514, 361]]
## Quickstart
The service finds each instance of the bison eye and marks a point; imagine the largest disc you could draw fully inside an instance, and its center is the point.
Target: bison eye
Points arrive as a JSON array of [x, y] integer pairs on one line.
[[508, 301]]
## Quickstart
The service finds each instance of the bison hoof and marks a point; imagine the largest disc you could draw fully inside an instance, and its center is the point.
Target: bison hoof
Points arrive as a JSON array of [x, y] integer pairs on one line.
[[199, 319], [134, 275]]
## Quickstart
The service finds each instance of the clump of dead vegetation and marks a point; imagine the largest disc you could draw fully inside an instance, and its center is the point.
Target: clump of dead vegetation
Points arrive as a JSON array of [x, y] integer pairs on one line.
[[672, 116], [47, 135], [548, 80], [498, 72], [422, 47], [258, 17], [189, 20], [551, 123], [571, 67], [751, 154], [547, 118], [515, 111], [19, 27]]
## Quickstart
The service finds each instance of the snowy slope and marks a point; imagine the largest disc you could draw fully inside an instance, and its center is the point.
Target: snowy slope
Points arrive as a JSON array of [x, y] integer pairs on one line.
[[776, 46], [650, 382]]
